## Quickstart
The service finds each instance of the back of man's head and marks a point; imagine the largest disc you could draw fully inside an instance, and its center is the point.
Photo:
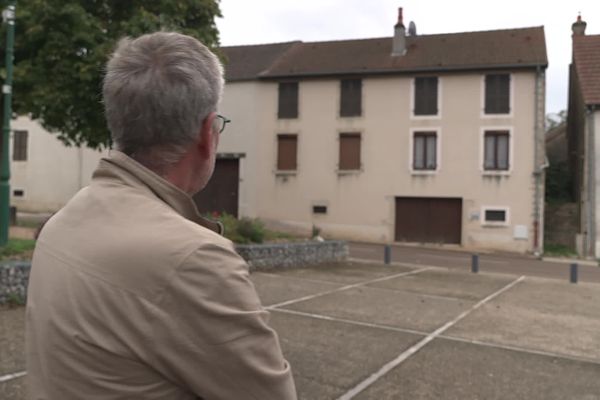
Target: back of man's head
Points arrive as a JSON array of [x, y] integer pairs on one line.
[[157, 91]]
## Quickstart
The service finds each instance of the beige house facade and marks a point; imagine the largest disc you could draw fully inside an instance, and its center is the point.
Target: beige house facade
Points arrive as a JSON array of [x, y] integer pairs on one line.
[[442, 143]]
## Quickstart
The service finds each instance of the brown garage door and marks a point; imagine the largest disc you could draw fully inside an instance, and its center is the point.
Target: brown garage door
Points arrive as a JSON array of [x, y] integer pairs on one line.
[[428, 220], [221, 193]]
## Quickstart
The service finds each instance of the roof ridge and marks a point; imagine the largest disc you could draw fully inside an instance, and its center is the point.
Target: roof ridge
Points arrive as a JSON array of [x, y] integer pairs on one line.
[[261, 44]]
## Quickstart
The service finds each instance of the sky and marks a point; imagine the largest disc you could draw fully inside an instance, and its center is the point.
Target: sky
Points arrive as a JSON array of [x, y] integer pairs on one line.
[[272, 21]]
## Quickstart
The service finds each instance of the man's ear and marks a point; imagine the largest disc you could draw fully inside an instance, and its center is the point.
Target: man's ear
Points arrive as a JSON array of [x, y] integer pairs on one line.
[[206, 135]]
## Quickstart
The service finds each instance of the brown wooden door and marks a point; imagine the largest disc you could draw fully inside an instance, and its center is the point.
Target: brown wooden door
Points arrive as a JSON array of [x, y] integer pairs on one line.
[[221, 193], [428, 220]]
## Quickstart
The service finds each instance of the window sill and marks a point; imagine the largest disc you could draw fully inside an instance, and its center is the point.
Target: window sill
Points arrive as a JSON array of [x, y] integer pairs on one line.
[[349, 171], [490, 224], [499, 115], [496, 173], [425, 172], [424, 117], [281, 172]]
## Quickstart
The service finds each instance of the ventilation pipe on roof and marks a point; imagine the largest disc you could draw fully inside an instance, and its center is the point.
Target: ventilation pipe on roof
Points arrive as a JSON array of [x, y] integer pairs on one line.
[[578, 27], [399, 44]]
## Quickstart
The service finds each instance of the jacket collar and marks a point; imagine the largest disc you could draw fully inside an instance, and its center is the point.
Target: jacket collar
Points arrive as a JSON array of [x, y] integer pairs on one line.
[[119, 165]]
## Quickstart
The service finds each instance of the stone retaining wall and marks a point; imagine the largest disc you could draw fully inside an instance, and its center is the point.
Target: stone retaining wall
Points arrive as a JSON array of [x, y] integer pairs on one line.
[[14, 275], [293, 254]]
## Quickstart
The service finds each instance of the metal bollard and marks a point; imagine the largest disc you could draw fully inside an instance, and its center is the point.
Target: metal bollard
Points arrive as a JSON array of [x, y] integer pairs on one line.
[[574, 268], [475, 263], [387, 254]]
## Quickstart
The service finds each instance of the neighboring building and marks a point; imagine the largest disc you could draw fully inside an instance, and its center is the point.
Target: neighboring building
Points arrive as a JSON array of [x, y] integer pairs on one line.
[[45, 173], [413, 138], [583, 124]]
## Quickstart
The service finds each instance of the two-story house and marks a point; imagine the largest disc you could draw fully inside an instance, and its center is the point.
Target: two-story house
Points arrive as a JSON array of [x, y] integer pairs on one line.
[[411, 138], [583, 124]]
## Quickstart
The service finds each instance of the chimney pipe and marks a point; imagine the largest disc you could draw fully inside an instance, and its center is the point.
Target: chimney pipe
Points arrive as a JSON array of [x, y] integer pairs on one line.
[[399, 42], [578, 27]]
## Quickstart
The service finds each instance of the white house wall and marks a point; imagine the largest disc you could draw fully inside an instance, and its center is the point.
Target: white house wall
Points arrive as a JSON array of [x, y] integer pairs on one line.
[[361, 206], [595, 120], [242, 104], [52, 173]]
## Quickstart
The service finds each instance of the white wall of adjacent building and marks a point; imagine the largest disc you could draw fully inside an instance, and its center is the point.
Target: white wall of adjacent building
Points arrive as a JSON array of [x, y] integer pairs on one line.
[[51, 173]]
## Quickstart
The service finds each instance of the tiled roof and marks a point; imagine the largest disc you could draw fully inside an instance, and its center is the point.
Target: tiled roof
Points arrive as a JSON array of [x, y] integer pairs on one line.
[[248, 62], [586, 54], [510, 48]]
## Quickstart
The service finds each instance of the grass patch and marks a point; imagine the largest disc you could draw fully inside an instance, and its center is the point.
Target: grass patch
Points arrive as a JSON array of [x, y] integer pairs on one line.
[[17, 247], [558, 250]]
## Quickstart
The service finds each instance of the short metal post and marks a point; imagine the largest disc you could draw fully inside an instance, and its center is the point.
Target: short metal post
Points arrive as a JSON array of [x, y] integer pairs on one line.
[[475, 263], [574, 268], [387, 254]]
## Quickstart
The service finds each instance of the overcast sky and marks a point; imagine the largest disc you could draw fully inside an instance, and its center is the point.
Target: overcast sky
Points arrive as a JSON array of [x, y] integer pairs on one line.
[[270, 21]]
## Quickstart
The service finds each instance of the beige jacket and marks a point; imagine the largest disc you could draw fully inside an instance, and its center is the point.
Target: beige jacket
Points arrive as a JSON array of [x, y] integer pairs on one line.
[[133, 296]]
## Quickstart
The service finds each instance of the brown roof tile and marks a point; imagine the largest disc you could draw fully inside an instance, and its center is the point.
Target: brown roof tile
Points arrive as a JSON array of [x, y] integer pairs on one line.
[[248, 62], [525, 47], [586, 54]]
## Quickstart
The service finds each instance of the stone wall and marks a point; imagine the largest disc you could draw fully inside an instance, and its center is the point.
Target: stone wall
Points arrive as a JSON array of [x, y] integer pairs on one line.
[[560, 224], [294, 254], [14, 275]]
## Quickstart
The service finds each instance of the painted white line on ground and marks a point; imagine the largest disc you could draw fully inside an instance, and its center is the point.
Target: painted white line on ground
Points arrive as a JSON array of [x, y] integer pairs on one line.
[[354, 285], [349, 321], [451, 338], [6, 378], [406, 354]]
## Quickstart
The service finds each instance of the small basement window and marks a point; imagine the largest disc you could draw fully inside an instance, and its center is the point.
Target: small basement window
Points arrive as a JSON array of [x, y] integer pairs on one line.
[[495, 216], [319, 209], [18, 193]]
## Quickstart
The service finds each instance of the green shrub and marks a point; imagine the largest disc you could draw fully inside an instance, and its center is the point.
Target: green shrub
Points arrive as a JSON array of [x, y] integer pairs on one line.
[[241, 231]]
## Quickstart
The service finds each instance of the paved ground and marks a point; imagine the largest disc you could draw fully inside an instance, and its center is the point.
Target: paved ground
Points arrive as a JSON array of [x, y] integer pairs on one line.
[[368, 331]]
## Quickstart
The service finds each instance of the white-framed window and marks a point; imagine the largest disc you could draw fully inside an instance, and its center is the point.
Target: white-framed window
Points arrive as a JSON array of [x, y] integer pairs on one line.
[[425, 145], [496, 150], [495, 216]]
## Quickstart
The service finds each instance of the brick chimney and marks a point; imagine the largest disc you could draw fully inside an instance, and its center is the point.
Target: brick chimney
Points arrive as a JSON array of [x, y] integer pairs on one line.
[[578, 27], [399, 44]]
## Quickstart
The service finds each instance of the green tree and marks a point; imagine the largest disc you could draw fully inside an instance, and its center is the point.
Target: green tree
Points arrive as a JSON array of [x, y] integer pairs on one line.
[[62, 46]]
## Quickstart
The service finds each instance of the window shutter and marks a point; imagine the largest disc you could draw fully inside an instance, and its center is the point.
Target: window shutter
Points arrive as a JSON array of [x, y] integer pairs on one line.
[[20, 145], [288, 100], [287, 150], [426, 92], [351, 98], [349, 151], [497, 94]]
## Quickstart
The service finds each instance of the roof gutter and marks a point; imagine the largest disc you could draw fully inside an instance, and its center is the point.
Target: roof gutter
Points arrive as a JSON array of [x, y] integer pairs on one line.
[[402, 71]]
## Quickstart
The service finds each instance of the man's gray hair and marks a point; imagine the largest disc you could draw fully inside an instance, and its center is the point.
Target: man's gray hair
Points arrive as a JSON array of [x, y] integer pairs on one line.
[[157, 91]]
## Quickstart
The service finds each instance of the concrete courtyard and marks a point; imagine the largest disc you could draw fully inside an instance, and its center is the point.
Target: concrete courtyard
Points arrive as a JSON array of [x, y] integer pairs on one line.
[[370, 331]]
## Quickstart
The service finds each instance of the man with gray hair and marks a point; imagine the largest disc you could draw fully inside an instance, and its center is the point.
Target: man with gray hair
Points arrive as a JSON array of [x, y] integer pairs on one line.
[[132, 294]]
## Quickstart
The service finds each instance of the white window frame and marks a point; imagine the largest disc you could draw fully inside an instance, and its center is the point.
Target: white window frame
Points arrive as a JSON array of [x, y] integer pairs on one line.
[[412, 100], [504, 223], [438, 150], [511, 96], [511, 163]]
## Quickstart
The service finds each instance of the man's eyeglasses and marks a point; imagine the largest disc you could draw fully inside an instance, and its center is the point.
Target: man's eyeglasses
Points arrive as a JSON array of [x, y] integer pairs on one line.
[[221, 122]]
